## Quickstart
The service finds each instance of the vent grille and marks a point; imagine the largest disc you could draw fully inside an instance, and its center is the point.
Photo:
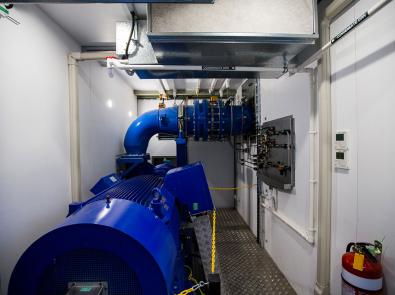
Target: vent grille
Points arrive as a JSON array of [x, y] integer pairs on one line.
[[137, 189], [89, 265]]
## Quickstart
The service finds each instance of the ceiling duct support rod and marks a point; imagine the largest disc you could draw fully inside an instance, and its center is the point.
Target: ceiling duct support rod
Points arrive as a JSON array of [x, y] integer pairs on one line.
[[198, 82], [317, 55], [225, 85], [212, 86]]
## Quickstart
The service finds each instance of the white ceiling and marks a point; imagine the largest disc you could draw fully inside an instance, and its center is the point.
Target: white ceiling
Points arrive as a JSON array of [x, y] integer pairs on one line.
[[90, 24]]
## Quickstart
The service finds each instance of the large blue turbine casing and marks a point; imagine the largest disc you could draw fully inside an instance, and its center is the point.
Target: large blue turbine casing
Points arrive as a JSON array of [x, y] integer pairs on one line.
[[127, 236]]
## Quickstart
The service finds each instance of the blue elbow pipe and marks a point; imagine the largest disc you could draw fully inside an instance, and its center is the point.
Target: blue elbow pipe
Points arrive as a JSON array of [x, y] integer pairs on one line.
[[147, 125], [202, 120]]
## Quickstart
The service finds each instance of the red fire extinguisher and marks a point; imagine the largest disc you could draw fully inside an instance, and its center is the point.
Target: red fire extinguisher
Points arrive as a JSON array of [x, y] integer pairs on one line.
[[362, 272]]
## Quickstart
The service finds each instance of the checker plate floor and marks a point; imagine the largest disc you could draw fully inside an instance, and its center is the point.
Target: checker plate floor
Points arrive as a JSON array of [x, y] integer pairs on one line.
[[245, 267]]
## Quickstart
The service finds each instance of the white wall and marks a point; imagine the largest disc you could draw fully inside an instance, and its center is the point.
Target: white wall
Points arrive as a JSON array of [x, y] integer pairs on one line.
[[363, 103], [293, 255], [34, 128], [102, 129], [34, 148], [246, 197], [217, 157]]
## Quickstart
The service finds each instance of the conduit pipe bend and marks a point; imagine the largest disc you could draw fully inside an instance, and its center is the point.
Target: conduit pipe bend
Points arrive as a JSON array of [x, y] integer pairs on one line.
[[74, 125]]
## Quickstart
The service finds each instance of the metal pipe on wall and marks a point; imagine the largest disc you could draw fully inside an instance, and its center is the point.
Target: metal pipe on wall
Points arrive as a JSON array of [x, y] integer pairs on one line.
[[123, 65], [313, 181], [296, 228], [322, 286], [75, 162], [74, 122], [325, 172], [332, 9]]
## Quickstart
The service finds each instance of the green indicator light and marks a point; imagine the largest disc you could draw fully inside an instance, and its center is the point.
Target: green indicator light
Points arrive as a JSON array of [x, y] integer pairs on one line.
[[195, 206], [85, 289], [4, 10]]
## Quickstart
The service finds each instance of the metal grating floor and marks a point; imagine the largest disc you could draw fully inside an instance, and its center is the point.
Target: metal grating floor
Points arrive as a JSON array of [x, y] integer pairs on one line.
[[245, 267]]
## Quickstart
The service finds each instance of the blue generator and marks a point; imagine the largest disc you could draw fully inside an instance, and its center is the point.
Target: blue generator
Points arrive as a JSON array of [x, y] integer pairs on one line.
[[132, 237]]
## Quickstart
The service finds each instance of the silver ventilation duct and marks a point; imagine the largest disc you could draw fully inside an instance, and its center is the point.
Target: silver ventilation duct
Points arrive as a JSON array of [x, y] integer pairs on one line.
[[226, 38]]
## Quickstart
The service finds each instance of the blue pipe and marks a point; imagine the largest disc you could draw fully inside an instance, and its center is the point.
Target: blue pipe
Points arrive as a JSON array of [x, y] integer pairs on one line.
[[147, 125], [202, 120]]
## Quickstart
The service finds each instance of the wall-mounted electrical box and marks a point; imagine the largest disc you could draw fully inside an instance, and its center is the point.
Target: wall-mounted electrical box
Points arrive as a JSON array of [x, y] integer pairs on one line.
[[341, 150], [341, 140], [341, 159]]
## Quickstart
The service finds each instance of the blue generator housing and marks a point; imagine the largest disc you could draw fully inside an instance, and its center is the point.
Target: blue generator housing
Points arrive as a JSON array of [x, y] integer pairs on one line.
[[126, 240], [126, 236]]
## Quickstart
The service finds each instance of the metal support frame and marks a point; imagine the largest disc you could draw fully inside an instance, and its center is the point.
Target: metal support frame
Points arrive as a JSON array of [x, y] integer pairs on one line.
[[212, 86], [225, 85]]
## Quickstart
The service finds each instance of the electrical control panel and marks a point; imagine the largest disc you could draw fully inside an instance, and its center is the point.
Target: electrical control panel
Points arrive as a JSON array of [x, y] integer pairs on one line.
[[276, 153]]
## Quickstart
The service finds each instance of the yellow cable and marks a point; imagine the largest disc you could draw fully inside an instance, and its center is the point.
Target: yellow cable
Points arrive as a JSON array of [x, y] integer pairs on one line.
[[213, 242], [231, 188]]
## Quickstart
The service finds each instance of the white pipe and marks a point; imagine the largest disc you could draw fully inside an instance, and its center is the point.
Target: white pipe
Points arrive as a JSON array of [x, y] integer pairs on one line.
[[318, 54], [123, 64], [74, 126], [300, 231], [322, 286], [75, 163], [378, 6], [94, 55], [311, 230], [296, 228]]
